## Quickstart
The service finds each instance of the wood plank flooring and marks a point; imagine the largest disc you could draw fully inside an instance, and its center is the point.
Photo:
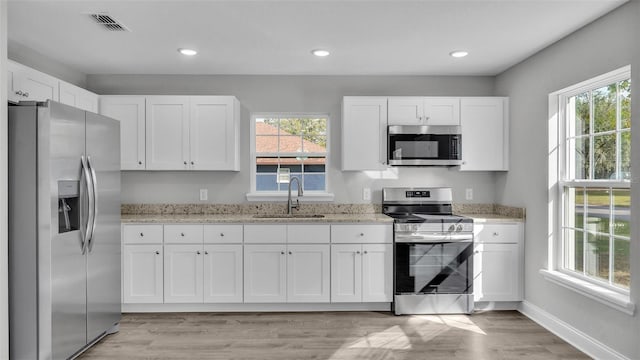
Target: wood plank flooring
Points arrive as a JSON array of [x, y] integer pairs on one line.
[[331, 335]]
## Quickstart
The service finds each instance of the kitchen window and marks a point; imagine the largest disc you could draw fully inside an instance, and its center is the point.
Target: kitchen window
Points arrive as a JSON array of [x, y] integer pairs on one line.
[[286, 146], [592, 229]]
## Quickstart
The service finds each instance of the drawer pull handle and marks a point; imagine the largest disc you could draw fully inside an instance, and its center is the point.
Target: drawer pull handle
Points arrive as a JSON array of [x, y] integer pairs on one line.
[[141, 234], [222, 234], [198, 252], [477, 252], [157, 252], [192, 163], [206, 253], [496, 234], [182, 234], [361, 234], [282, 252], [185, 163], [139, 162], [357, 252], [365, 252], [290, 253]]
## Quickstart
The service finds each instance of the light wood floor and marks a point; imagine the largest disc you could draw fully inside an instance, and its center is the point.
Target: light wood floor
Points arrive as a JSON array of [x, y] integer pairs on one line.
[[333, 335]]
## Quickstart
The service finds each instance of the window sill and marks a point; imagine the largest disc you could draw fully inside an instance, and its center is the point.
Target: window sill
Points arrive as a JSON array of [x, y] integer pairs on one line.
[[618, 301], [275, 196]]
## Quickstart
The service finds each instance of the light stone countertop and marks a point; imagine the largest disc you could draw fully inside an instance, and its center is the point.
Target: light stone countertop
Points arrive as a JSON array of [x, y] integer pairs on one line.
[[492, 218], [250, 218]]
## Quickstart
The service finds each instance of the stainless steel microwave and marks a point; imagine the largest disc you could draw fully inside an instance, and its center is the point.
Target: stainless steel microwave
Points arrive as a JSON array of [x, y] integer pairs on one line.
[[410, 145]]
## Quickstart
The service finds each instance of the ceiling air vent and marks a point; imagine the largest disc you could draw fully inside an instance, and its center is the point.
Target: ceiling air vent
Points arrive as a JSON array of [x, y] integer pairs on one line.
[[108, 22]]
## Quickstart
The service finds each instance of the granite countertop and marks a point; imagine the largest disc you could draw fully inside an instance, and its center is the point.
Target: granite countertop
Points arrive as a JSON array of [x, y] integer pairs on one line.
[[492, 218], [251, 218]]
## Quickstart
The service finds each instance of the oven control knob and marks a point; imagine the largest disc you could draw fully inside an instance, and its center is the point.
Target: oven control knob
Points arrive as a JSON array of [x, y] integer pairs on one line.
[[452, 227], [459, 228]]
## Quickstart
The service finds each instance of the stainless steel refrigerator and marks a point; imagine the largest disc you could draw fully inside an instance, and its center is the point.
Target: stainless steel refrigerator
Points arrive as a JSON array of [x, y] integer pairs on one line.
[[64, 229]]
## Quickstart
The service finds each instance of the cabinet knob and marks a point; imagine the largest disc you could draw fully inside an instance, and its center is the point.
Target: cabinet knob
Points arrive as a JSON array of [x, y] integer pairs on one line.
[[157, 252], [141, 234], [496, 234], [290, 253], [198, 252], [206, 253], [192, 163], [182, 234], [221, 234], [185, 163], [282, 252], [361, 234], [139, 162], [365, 252], [26, 94], [477, 252], [19, 92], [357, 252]]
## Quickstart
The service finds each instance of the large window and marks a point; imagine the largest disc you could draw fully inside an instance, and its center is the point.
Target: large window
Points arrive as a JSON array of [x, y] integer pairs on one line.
[[594, 173], [289, 146]]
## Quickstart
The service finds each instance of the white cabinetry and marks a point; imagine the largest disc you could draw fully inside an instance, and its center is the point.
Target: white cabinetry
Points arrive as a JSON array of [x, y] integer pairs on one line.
[[498, 262], [485, 134], [223, 273], [361, 263], [418, 110], [142, 264], [130, 111], [364, 133], [26, 83], [78, 97], [265, 273], [308, 273], [192, 133], [183, 266]]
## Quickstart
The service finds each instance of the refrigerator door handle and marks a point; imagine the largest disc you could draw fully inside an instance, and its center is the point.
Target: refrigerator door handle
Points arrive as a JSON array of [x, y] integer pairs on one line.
[[88, 183], [94, 182]]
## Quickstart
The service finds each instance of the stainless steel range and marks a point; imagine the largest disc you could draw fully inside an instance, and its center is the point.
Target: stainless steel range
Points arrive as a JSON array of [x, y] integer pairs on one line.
[[433, 252]]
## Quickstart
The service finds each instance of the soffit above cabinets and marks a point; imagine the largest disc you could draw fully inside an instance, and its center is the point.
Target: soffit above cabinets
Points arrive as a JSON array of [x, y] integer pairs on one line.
[[364, 37]]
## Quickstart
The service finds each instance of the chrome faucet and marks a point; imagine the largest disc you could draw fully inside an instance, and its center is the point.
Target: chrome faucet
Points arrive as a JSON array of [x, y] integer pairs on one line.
[[290, 204]]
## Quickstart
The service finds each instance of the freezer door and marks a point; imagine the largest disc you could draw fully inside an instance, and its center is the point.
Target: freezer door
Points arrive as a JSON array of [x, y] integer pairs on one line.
[[61, 263], [103, 251]]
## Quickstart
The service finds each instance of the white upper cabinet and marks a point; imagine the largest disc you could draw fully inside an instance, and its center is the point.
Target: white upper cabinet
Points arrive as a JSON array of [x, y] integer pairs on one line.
[[130, 111], [214, 133], [78, 97], [167, 129], [192, 133], [364, 133], [28, 84], [485, 134], [419, 110]]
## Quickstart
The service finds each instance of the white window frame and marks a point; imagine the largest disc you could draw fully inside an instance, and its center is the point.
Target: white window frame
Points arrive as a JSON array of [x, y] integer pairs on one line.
[[309, 195], [601, 291]]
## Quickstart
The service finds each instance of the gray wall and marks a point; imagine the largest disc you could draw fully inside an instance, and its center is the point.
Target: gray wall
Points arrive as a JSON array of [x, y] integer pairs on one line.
[[605, 45], [292, 94]]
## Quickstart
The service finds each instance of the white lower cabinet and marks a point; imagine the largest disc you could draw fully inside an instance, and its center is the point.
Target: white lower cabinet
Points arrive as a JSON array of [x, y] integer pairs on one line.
[[308, 273], [143, 274], [361, 273], [265, 273], [223, 273], [498, 262], [183, 274]]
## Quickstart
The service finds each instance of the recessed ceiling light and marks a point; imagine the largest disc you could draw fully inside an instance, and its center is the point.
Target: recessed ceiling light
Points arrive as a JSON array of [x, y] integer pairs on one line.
[[459, 53], [188, 52], [320, 53]]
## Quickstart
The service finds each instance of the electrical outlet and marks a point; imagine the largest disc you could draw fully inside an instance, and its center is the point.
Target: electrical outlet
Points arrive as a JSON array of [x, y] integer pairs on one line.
[[204, 194], [366, 193], [469, 194]]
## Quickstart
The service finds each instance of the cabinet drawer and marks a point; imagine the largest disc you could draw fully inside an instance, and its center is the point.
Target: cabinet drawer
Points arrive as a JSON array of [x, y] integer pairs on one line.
[[308, 234], [223, 234], [181, 234], [142, 234], [497, 233], [272, 234], [361, 234]]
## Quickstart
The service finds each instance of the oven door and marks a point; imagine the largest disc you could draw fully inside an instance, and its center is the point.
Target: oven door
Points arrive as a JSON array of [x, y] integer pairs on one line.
[[434, 267], [424, 145]]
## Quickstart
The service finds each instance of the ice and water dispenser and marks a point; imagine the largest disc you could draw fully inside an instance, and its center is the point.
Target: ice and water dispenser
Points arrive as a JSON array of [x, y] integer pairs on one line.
[[68, 205]]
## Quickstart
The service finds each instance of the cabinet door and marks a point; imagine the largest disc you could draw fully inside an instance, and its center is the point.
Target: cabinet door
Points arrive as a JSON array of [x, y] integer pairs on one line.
[[130, 111], [346, 273], [78, 97], [308, 273], [30, 84], [167, 124], [183, 265], [265, 273], [377, 273], [497, 273], [485, 132], [364, 133], [442, 111], [213, 129], [406, 110], [142, 274], [223, 273]]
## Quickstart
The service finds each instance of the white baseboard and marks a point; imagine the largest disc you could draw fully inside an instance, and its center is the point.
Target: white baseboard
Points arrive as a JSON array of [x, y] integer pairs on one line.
[[568, 333], [496, 305], [288, 307]]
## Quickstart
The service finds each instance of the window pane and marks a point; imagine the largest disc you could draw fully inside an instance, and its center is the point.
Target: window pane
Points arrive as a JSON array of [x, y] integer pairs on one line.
[[624, 88], [581, 112], [315, 181], [578, 158], [573, 250], [604, 156], [292, 126], [597, 256], [266, 144], [266, 126], [621, 267], [625, 156], [290, 144], [621, 212], [266, 182], [598, 210], [315, 144], [574, 205], [294, 186], [267, 164], [314, 168], [604, 108]]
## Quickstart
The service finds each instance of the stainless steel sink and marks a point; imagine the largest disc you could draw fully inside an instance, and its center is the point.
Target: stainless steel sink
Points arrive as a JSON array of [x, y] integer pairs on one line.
[[288, 216]]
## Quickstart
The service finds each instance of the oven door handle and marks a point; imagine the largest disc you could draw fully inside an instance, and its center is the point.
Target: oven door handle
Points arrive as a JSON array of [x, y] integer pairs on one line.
[[433, 238]]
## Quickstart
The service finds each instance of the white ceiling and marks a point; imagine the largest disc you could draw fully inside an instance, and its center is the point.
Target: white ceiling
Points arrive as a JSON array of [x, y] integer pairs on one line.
[[276, 37]]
